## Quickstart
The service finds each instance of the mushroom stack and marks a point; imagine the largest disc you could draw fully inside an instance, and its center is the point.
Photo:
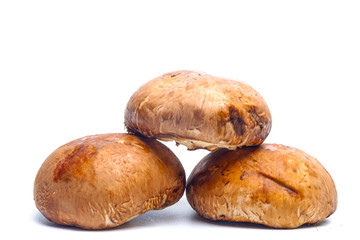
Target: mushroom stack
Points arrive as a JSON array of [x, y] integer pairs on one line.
[[105, 180], [241, 179]]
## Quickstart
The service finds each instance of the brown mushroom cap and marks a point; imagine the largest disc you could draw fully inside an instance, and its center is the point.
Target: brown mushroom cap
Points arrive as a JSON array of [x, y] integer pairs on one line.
[[272, 184], [102, 181], [199, 111]]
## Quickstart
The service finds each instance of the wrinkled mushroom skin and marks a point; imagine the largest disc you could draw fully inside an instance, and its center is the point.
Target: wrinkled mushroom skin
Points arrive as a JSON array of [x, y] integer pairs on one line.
[[272, 184], [199, 111], [102, 181]]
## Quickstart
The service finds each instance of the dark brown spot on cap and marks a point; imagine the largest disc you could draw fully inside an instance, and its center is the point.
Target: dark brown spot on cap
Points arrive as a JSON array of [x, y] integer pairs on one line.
[[198, 114], [242, 175], [237, 121], [73, 161], [259, 121]]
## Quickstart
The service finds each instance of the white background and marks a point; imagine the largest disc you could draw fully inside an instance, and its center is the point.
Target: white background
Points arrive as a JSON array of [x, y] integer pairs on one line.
[[68, 68]]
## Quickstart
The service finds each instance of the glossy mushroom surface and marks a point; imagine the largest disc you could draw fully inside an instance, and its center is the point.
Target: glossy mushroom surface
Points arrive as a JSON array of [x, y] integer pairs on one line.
[[102, 181], [273, 185], [199, 111]]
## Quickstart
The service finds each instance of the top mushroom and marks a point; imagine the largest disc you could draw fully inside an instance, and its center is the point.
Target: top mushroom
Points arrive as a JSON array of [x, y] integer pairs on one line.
[[199, 111]]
